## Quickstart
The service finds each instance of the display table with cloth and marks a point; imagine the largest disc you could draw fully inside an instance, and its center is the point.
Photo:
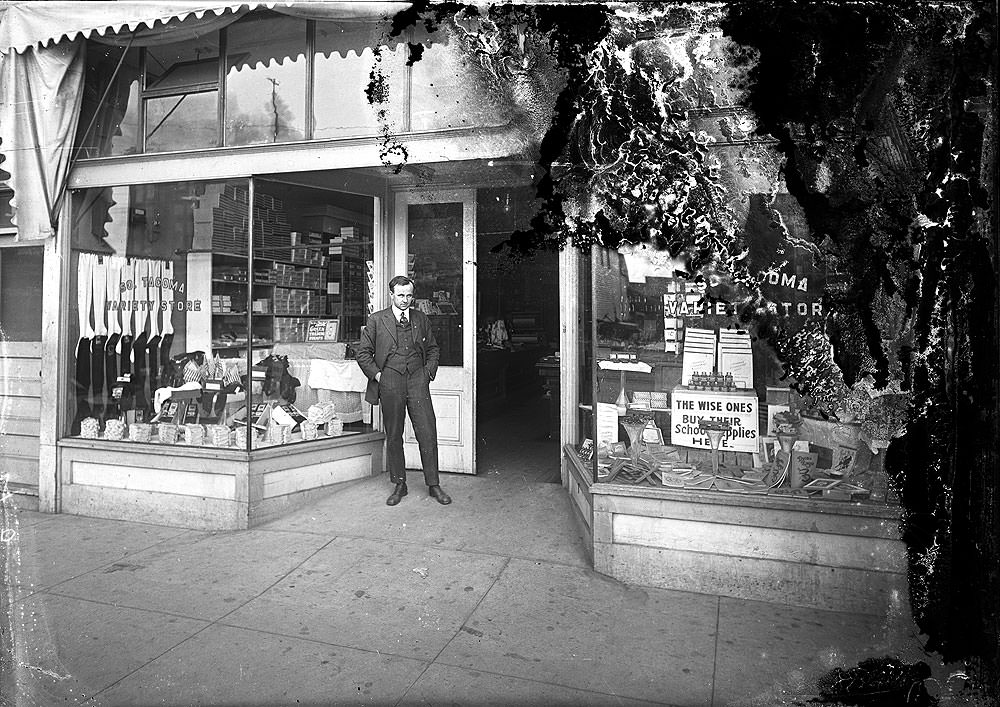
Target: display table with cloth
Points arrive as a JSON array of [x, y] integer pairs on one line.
[[325, 375]]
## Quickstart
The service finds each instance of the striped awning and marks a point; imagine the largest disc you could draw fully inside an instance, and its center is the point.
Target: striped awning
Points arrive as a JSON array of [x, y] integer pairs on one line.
[[34, 24]]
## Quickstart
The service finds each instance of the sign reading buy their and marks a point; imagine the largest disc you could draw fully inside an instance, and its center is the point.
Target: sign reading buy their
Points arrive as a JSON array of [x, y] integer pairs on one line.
[[737, 407]]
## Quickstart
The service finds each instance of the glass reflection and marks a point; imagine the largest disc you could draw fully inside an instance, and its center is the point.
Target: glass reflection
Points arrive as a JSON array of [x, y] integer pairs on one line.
[[265, 80], [446, 91], [434, 263], [180, 67], [342, 71], [111, 127], [181, 122]]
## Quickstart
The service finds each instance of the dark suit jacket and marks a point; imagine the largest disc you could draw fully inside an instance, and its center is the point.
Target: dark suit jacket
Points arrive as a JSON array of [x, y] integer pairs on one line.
[[378, 340]]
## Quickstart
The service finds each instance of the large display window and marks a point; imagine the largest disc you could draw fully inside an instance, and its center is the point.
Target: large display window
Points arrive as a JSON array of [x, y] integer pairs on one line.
[[277, 76], [689, 397], [218, 314]]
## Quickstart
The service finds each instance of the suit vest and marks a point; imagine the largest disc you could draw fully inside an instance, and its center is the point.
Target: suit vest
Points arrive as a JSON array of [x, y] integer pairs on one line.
[[405, 359]]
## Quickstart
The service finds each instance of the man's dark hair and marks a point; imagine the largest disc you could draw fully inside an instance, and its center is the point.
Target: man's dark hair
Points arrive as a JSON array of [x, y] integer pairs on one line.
[[399, 280]]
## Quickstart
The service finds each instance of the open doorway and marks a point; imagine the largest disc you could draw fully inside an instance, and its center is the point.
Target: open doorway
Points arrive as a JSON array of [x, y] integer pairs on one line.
[[517, 423]]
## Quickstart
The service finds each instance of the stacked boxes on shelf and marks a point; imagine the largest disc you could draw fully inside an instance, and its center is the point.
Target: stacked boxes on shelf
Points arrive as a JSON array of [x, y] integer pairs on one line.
[[307, 249], [220, 218], [290, 329], [272, 234], [229, 304], [291, 276], [299, 302]]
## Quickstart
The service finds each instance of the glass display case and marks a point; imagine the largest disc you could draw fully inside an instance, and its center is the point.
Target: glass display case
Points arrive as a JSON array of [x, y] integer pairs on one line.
[[688, 397], [207, 314]]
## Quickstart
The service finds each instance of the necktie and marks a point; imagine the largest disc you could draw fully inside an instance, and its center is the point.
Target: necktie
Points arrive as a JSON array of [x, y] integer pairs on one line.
[[403, 321]]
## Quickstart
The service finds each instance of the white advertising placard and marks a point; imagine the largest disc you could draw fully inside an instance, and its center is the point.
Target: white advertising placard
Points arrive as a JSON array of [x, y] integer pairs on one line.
[[739, 408], [607, 422]]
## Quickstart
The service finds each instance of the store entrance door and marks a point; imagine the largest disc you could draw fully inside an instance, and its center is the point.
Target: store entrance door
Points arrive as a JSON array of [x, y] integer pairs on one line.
[[435, 245]]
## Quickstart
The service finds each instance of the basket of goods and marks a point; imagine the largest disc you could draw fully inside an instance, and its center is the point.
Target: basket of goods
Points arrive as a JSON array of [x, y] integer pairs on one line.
[[90, 428], [321, 413], [280, 434], [168, 433], [194, 434], [217, 435], [114, 429], [139, 431], [241, 438]]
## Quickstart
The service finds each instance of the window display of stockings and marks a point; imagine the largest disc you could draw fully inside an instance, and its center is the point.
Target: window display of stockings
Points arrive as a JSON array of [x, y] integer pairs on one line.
[[123, 329]]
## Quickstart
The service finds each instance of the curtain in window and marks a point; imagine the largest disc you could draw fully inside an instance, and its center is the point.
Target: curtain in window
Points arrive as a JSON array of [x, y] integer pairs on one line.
[[40, 97]]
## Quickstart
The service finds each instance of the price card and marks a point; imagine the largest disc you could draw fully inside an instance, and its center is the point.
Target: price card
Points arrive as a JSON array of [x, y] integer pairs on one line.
[[323, 330]]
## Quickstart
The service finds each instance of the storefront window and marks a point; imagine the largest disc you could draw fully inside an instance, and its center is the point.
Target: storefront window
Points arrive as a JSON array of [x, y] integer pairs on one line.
[[343, 67], [111, 127], [434, 263], [181, 94], [688, 397], [265, 80], [449, 90], [183, 334], [6, 211], [181, 122], [21, 293]]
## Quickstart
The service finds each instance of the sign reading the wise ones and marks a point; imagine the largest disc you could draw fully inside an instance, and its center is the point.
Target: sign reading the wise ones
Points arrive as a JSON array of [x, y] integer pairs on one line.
[[738, 408]]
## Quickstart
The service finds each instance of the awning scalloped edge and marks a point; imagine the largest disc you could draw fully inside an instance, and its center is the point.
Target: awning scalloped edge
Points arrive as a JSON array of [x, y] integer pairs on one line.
[[149, 23]]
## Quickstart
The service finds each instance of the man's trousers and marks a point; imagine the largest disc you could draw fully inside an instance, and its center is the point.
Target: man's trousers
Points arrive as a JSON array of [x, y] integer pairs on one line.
[[399, 394]]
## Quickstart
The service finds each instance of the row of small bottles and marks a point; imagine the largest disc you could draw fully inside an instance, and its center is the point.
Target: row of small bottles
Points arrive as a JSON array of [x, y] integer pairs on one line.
[[712, 381]]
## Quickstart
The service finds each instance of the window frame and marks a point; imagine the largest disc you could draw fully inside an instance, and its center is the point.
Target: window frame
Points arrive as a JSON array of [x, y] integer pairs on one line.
[[11, 230]]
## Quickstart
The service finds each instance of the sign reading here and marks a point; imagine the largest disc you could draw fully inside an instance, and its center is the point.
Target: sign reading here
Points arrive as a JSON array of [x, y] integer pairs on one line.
[[738, 408]]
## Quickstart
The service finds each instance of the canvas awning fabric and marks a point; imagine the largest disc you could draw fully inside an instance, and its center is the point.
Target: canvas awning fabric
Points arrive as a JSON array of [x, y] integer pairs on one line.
[[33, 24], [42, 63]]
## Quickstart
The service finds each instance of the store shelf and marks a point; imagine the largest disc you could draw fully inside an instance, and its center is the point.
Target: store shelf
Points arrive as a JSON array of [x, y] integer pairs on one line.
[[233, 347], [242, 282], [298, 265], [242, 314]]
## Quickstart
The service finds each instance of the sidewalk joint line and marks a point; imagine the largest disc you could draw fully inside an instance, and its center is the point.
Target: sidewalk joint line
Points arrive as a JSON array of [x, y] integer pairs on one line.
[[557, 684], [457, 631], [210, 624], [715, 657]]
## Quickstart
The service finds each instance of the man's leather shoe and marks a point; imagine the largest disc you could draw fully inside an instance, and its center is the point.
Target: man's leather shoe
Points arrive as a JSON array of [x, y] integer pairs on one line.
[[441, 497], [397, 495]]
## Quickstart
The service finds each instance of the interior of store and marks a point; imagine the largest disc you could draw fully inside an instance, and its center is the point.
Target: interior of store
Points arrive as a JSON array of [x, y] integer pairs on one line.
[[165, 268], [518, 338]]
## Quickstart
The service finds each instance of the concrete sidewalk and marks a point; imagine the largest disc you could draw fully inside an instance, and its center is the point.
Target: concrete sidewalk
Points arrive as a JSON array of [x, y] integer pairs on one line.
[[348, 601]]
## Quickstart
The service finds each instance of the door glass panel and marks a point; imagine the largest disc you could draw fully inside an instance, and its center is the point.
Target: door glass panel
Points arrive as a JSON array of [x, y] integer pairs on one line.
[[434, 264]]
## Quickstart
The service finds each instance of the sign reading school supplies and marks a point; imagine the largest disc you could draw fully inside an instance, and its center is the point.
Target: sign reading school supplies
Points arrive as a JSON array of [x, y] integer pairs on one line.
[[737, 407]]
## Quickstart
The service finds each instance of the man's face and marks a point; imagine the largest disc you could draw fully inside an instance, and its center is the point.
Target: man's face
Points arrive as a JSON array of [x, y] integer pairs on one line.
[[402, 296]]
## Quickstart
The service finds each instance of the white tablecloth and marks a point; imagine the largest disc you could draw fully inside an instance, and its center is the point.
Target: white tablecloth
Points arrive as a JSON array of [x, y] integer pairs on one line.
[[339, 381]]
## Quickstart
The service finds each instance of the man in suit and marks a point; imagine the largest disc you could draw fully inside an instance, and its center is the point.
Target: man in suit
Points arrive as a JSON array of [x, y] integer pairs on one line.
[[399, 355]]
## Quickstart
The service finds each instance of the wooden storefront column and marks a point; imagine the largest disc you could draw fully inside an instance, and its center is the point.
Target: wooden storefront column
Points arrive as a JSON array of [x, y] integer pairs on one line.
[[569, 349], [55, 278]]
